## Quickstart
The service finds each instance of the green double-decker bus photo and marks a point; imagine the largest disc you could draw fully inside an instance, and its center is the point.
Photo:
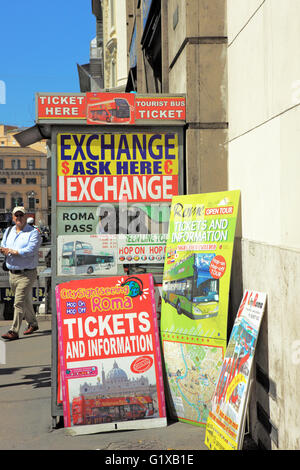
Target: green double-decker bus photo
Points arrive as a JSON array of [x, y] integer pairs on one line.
[[189, 287]]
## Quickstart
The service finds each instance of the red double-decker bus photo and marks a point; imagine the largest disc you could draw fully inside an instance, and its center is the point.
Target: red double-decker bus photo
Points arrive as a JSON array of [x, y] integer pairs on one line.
[[106, 410]]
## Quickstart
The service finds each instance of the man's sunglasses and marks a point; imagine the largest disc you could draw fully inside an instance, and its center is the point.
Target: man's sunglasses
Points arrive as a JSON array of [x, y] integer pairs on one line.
[[19, 215]]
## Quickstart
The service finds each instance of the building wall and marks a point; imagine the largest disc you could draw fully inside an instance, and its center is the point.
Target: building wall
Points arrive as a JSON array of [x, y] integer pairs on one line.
[[263, 162], [193, 49], [197, 66], [9, 151], [115, 43], [7, 139]]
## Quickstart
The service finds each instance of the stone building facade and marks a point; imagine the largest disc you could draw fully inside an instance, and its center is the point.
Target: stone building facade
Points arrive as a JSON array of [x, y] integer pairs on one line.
[[23, 178]]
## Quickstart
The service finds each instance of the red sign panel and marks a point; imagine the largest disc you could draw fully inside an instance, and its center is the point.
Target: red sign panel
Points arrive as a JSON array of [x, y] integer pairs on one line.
[[109, 352], [109, 189], [66, 107], [160, 108], [110, 108]]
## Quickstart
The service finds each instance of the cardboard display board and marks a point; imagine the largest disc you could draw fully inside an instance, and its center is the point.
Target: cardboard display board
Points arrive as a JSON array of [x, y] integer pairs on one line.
[[225, 424], [195, 299], [109, 353]]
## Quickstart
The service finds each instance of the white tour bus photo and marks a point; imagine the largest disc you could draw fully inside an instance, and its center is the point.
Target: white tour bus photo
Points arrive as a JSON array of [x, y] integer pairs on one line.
[[79, 258]]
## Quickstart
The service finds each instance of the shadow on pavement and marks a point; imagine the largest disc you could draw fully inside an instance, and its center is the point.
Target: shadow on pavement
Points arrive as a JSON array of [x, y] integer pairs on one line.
[[40, 379]]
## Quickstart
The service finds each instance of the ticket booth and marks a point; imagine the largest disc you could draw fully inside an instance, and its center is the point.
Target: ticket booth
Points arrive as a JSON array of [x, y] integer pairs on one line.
[[116, 162]]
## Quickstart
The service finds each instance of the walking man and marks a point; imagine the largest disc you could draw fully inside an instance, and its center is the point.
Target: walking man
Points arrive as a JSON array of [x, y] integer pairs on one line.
[[20, 245]]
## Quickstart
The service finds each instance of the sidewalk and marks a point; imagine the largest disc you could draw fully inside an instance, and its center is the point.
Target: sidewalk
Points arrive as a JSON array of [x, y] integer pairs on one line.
[[25, 400]]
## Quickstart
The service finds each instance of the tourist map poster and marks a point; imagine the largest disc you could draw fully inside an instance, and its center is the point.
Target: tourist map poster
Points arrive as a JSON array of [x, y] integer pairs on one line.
[[195, 295], [109, 351], [225, 424]]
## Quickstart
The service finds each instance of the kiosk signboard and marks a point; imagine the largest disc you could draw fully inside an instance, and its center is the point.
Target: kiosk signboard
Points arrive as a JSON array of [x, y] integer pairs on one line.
[[109, 108], [116, 162]]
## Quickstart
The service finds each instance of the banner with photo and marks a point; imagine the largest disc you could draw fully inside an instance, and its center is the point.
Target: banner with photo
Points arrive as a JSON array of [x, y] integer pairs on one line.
[[226, 420], [195, 296], [86, 255], [109, 351], [141, 248]]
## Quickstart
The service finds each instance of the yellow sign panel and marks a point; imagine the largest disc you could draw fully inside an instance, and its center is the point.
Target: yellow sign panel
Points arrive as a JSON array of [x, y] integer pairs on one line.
[[117, 154], [217, 437]]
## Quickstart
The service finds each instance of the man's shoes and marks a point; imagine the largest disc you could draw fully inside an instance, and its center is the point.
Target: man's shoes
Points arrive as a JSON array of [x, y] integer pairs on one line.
[[31, 329], [10, 335]]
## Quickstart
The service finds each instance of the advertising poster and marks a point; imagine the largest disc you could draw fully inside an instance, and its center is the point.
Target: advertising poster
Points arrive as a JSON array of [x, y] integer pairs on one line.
[[225, 423], [108, 167], [86, 255], [141, 248], [112, 218], [110, 108], [195, 295], [111, 372]]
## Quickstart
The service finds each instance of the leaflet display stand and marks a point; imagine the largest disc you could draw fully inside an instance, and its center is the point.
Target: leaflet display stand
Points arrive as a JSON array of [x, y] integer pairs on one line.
[[116, 162]]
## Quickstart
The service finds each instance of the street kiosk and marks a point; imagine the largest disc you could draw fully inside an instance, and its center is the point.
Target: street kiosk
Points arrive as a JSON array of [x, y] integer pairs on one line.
[[117, 159]]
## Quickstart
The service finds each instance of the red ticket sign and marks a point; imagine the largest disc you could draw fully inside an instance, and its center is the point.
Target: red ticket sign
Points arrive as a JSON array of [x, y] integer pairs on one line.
[[61, 106], [162, 108], [109, 108], [109, 347]]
